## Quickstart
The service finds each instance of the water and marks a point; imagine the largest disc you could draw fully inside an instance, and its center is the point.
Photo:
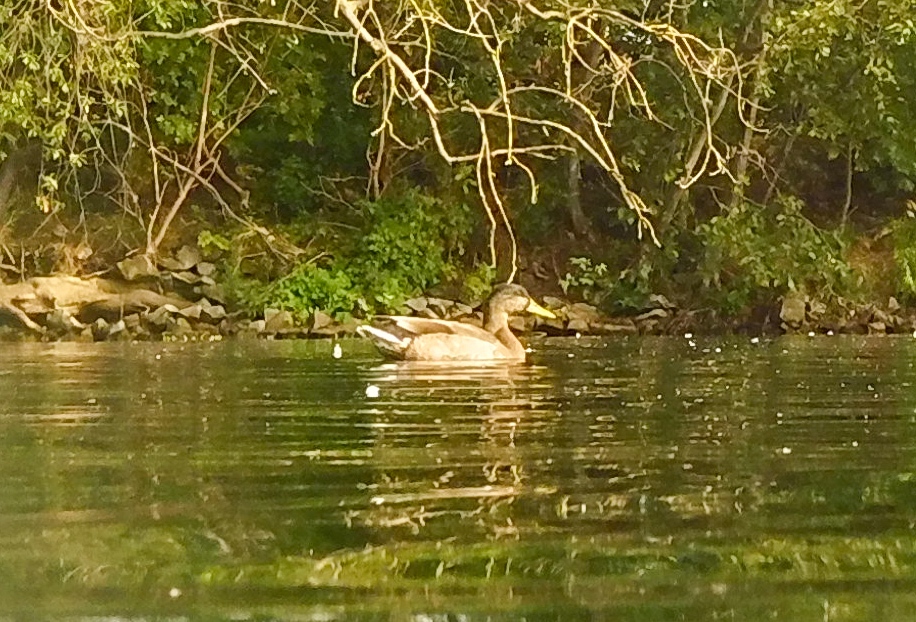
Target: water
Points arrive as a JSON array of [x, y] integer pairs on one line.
[[615, 479]]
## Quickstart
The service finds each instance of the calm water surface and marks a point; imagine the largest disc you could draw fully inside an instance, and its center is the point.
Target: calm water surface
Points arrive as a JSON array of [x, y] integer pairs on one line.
[[621, 479]]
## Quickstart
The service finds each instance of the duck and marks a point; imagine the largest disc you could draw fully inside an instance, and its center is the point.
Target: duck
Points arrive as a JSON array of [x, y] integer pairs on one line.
[[426, 339]]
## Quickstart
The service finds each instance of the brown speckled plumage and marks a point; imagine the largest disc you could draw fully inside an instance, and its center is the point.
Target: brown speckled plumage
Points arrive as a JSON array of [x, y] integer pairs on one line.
[[423, 339]]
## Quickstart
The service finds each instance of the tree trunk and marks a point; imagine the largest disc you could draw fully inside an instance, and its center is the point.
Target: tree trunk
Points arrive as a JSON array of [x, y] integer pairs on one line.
[[12, 169], [580, 222]]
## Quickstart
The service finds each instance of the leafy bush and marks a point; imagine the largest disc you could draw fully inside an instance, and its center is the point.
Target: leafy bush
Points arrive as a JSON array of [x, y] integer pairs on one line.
[[408, 243], [904, 237], [754, 254], [634, 272], [309, 287]]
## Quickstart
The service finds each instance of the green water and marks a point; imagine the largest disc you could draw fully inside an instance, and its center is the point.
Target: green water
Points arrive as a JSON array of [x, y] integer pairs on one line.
[[622, 479]]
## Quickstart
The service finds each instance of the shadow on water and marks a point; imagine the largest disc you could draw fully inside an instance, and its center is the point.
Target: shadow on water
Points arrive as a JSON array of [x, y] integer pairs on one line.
[[624, 479]]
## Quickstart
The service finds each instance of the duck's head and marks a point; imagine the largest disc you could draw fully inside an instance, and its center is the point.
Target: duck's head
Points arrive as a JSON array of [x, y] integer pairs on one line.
[[507, 299]]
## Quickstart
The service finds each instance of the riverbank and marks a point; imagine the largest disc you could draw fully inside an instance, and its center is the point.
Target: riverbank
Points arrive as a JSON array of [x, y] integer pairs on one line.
[[182, 301]]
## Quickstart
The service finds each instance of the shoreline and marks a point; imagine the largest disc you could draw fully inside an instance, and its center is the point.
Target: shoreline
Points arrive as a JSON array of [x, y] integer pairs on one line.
[[172, 318]]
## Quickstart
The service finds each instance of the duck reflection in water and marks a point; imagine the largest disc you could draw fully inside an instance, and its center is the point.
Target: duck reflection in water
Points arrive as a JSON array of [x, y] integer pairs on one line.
[[444, 446], [426, 339]]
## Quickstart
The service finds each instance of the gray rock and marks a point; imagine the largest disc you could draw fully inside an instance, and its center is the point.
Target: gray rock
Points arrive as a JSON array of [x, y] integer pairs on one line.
[[553, 303], [187, 257], [440, 305], [793, 309], [877, 327], [460, 309], [583, 312], [244, 331], [118, 327], [60, 321], [191, 311], [213, 292], [279, 322], [654, 314], [349, 327], [160, 317], [614, 327], [320, 320], [100, 330], [880, 316], [892, 305], [416, 304], [578, 326], [661, 302], [181, 327], [552, 326], [205, 268], [213, 313], [186, 276], [137, 267], [207, 329], [140, 334], [816, 308]]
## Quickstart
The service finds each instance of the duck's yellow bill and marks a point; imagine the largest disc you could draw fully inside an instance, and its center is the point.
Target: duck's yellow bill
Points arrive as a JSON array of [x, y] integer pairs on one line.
[[537, 309]]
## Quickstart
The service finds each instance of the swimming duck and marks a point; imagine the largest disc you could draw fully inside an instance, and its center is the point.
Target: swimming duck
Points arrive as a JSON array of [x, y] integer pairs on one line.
[[424, 339]]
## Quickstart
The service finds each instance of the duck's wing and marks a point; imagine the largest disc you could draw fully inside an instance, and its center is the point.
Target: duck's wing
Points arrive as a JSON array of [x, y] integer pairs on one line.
[[429, 326], [425, 339]]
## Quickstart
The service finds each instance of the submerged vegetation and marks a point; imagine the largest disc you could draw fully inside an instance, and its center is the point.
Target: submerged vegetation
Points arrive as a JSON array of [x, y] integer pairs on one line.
[[346, 156]]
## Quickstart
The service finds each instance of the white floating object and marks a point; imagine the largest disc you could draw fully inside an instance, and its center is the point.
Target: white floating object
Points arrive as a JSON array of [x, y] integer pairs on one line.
[[811, 333], [786, 451], [755, 339], [688, 335], [174, 592], [338, 351], [830, 333], [372, 391]]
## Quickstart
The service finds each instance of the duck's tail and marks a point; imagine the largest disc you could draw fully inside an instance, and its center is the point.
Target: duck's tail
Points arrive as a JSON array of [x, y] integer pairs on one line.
[[383, 339]]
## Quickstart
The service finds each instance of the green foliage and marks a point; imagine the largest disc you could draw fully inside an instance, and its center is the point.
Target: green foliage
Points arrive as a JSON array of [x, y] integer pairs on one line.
[[828, 81], [590, 279], [309, 288], [754, 254], [904, 237], [478, 282], [846, 67], [62, 104], [408, 243], [209, 241], [620, 289]]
